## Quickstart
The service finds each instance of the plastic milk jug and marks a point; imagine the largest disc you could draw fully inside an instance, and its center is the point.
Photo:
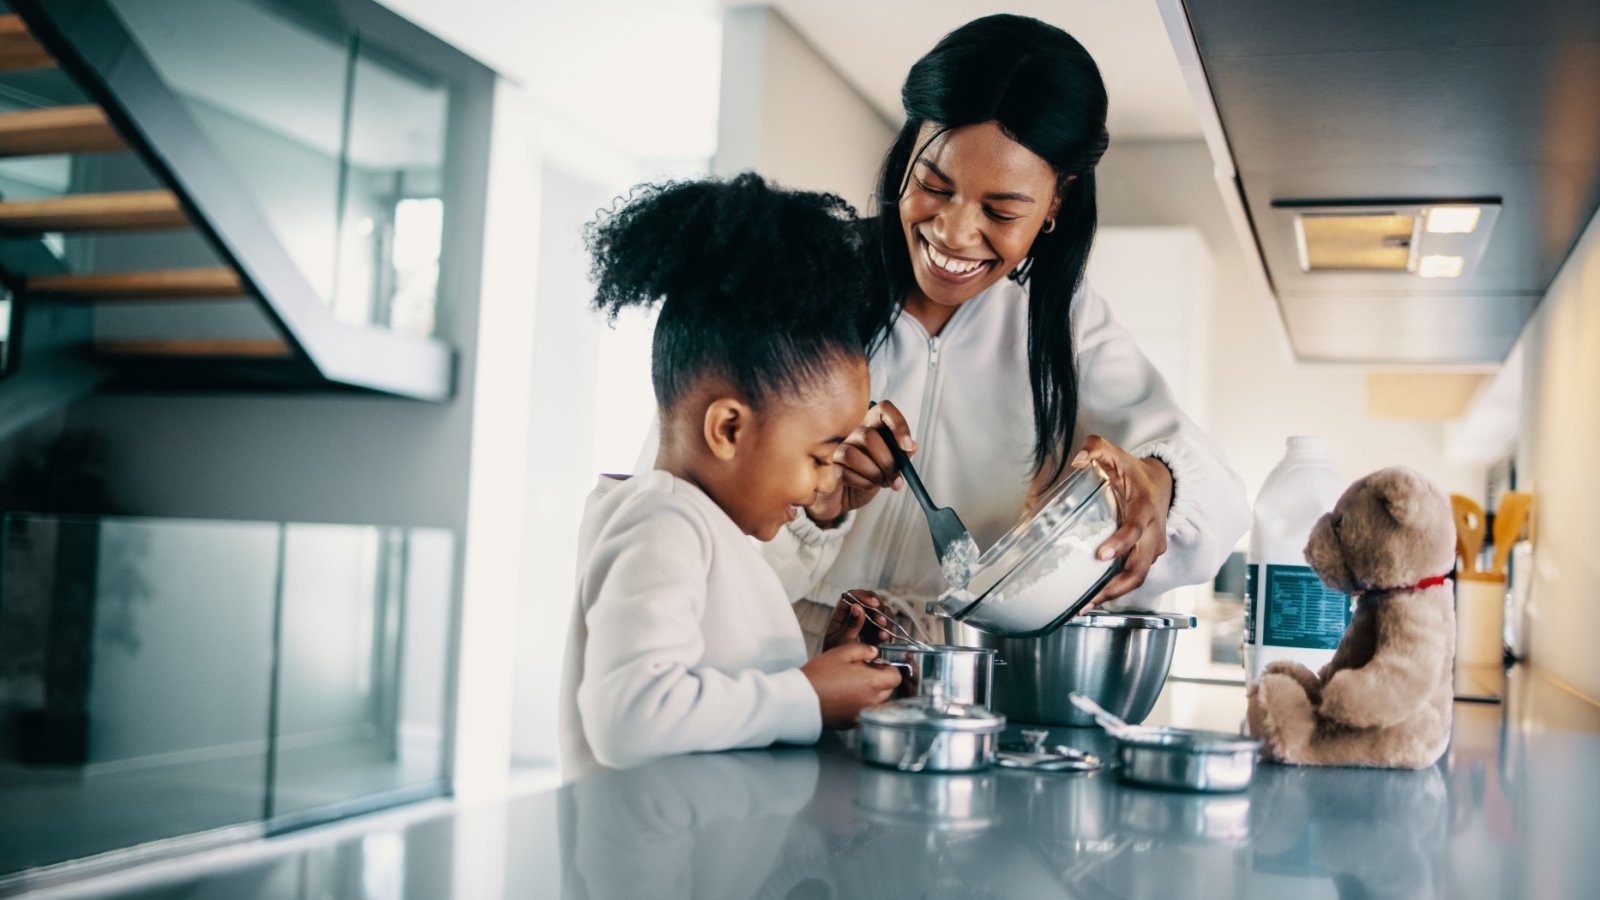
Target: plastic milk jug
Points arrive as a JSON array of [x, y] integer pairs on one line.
[[1289, 613]]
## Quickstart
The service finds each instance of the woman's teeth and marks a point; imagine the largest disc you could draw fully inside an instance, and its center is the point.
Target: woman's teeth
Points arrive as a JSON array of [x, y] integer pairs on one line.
[[950, 264]]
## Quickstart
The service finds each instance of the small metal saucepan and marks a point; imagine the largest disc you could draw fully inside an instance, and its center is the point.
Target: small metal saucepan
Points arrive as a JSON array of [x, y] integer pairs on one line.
[[930, 733], [1182, 759], [967, 673], [1185, 759]]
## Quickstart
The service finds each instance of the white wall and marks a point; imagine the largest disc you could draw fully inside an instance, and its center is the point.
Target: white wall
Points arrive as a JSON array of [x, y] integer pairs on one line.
[[1161, 277], [791, 116], [1258, 394], [1556, 459]]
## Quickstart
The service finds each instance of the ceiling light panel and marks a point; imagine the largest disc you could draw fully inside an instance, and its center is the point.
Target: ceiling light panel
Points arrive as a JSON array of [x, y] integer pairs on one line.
[[1409, 238], [1339, 242]]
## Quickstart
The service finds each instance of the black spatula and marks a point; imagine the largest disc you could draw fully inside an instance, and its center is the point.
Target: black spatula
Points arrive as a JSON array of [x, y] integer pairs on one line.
[[952, 543]]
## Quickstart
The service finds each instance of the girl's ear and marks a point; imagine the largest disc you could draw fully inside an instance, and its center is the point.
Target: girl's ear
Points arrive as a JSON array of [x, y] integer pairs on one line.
[[727, 422]]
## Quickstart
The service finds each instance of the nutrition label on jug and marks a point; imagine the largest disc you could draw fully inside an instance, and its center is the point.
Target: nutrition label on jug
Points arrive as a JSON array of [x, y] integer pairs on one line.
[[1299, 611]]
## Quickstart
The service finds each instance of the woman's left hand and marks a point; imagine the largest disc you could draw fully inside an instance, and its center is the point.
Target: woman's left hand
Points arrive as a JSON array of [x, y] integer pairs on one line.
[[1144, 494]]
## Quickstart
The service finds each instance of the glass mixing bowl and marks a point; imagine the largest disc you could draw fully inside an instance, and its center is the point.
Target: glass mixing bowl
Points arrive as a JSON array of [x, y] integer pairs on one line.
[[1044, 570]]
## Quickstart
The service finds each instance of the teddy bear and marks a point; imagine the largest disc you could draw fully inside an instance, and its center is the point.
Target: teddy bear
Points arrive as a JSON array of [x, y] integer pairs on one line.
[[1385, 698]]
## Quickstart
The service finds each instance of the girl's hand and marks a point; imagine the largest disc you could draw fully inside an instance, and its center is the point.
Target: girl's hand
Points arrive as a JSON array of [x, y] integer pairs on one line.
[[845, 683], [865, 464], [1144, 494], [849, 622]]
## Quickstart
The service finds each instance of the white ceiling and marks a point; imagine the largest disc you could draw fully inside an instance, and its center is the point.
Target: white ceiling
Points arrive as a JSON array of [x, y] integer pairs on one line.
[[643, 74], [639, 75], [874, 42]]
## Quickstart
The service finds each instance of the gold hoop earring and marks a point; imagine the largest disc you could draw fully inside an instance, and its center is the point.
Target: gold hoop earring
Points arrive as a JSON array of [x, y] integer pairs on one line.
[[1049, 226]]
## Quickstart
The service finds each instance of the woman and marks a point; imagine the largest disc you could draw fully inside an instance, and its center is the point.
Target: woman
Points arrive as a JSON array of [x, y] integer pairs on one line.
[[1000, 369]]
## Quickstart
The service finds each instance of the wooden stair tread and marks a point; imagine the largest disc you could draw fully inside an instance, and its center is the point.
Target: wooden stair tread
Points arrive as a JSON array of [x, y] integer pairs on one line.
[[18, 50], [94, 212], [57, 129], [212, 348], [171, 284]]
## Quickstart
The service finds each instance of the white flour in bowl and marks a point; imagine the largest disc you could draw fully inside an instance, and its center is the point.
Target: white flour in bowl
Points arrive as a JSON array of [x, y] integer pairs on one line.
[[1032, 599]]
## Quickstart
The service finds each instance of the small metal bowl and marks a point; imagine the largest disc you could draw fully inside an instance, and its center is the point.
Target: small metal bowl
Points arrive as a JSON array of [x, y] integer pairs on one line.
[[929, 733], [1184, 759]]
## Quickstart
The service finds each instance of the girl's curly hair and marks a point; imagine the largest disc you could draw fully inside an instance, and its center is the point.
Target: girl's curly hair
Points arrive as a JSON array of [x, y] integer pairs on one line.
[[763, 287]]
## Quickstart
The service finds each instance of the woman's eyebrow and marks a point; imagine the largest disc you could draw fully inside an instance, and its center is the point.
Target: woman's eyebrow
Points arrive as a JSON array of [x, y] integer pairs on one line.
[[1003, 195]]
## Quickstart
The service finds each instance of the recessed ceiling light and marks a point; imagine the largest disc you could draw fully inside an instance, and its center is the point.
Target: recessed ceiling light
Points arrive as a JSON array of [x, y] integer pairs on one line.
[[1441, 266], [1438, 237], [1371, 241], [1453, 219]]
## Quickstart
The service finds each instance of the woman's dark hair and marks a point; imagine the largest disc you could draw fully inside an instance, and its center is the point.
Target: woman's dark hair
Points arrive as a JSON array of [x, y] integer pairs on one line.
[[760, 286], [1044, 91]]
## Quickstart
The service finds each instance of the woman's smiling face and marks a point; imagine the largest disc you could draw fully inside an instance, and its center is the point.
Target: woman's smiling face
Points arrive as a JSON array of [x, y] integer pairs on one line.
[[973, 203]]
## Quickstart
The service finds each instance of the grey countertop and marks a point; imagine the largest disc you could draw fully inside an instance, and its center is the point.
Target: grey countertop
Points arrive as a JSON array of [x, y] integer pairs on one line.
[[1512, 811]]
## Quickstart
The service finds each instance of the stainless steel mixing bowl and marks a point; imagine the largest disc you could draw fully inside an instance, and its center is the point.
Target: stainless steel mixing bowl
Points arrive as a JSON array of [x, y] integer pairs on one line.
[[1118, 660]]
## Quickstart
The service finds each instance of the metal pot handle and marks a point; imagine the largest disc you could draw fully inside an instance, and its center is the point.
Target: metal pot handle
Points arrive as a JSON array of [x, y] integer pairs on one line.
[[907, 764], [908, 674]]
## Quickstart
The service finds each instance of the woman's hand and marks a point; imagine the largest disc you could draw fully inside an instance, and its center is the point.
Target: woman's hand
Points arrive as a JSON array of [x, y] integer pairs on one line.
[[1144, 495], [850, 621], [865, 464]]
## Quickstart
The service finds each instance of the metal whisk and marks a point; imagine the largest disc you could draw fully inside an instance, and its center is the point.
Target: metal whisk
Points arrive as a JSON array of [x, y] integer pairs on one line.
[[898, 631]]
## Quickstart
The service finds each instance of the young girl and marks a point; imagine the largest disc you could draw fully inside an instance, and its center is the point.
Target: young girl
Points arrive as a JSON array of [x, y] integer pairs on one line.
[[683, 639]]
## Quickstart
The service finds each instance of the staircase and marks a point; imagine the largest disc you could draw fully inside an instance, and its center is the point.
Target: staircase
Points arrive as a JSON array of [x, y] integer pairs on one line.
[[68, 257], [86, 129]]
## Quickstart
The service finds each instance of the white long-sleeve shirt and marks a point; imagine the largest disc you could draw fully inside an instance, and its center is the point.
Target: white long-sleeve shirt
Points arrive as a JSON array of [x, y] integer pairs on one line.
[[682, 640], [966, 395]]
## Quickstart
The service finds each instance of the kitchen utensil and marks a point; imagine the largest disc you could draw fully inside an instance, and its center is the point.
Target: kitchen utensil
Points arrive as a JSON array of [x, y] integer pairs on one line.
[[1186, 759], [1033, 755], [1120, 660], [1045, 569], [1509, 518], [1107, 720], [895, 627], [965, 674], [929, 733], [1470, 530], [1182, 759], [952, 543]]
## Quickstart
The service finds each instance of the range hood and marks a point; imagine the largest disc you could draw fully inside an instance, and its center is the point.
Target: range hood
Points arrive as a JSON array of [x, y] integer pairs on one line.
[[1396, 109]]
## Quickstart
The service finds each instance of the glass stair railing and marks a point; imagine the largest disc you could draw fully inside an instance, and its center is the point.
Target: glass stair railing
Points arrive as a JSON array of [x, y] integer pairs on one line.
[[164, 678], [241, 192]]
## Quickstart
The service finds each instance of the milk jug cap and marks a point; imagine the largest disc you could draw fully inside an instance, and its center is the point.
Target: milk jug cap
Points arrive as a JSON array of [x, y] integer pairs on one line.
[[1308, 445]]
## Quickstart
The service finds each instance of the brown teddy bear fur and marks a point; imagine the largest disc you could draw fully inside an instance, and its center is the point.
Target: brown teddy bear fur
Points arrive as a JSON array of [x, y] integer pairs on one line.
[[1384, 700]]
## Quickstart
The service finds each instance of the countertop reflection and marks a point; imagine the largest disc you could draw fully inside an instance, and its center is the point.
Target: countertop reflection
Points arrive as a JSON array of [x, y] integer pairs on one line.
[[1512, 811]]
